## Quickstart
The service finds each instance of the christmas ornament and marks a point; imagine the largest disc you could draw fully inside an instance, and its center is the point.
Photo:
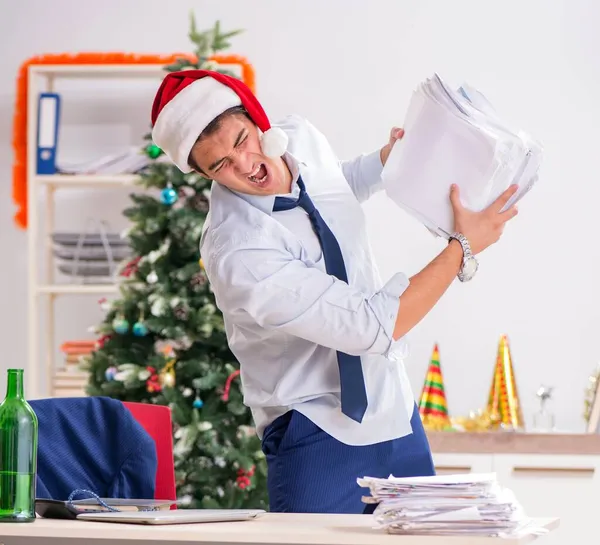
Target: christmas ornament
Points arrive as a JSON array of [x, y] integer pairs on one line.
[[120, 324], [168, 195], [198, 403], [131, 267], [102, 340], [153, 384], [433, 407], [153, 151], [167, 374], [139, 328], [243, 482], [503, 404], [225, 396], [110, 373], [244, 477]]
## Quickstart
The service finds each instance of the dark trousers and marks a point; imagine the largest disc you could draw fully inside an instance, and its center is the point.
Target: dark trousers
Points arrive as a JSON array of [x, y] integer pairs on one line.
[[311, 472]]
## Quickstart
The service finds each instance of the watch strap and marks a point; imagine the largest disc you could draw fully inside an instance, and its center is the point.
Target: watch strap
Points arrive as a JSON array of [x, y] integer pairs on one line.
[[462, 239]]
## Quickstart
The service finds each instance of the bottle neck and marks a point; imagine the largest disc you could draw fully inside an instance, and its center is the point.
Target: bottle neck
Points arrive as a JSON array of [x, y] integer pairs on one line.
[[14, 385]]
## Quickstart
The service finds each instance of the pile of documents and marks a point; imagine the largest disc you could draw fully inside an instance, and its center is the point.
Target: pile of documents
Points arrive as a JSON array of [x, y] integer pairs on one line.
[[469, 504], [127, 161], [456, 136]]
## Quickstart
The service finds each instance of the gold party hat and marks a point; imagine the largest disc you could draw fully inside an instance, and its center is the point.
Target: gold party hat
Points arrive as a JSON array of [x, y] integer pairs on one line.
[[503, 406]]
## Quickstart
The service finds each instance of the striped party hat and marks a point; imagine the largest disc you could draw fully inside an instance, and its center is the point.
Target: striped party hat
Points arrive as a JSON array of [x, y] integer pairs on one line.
[[433, 406]]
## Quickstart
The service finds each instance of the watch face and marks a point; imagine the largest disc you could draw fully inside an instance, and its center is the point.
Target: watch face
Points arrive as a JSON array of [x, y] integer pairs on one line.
[[469, 267]]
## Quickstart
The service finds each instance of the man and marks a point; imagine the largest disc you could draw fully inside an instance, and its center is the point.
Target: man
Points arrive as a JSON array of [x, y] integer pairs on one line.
[[319, 338]]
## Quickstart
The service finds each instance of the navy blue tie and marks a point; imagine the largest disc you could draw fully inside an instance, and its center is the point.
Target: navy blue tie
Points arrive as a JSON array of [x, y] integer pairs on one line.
[[352, 382]]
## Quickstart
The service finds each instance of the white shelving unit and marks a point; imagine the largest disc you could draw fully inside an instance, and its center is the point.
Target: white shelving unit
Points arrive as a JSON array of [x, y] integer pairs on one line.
[[42, 79]]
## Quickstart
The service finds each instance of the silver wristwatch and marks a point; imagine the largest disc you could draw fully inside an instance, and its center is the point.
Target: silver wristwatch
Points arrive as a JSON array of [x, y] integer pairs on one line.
[[469, 264]]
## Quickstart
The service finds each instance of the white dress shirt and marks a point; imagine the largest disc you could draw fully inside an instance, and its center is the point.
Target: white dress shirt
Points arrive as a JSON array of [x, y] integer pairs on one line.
[[285, 317]]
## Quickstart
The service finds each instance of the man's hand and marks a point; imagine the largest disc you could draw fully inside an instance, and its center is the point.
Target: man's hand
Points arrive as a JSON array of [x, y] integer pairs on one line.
[[395, 134], [484, 228]]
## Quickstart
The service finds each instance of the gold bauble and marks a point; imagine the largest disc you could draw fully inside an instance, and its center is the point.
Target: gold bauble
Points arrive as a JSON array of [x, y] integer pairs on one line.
[[167, 375]]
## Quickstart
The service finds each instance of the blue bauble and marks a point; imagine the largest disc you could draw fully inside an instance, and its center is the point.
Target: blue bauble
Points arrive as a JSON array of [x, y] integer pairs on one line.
[[110, 373], [198, 403], [120, 325], [140, 329], [168, 195]]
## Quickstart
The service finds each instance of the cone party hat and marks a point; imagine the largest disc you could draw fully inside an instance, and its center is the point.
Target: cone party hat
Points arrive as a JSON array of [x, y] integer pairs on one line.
[[433, 407], [503, 408]]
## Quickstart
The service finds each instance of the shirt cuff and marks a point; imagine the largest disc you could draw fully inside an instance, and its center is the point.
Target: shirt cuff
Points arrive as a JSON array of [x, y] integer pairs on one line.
[[386, 305], [372, 167]]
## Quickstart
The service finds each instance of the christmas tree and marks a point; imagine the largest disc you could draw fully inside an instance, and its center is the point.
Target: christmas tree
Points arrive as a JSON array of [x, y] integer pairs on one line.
[[163, 341]]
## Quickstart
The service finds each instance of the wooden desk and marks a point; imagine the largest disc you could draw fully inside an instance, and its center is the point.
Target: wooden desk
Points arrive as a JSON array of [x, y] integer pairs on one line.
[[270, 529]]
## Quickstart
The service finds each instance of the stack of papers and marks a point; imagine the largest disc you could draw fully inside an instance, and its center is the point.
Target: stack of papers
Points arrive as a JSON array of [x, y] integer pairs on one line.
[[128, 161], [456, 136], [472, 504]]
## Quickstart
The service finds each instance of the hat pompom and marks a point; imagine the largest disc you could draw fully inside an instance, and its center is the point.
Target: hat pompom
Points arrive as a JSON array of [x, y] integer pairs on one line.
[[274, 142]]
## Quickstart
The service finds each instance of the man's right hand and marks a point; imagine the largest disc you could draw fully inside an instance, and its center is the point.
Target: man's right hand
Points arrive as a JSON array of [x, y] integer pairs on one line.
[[484, 228]]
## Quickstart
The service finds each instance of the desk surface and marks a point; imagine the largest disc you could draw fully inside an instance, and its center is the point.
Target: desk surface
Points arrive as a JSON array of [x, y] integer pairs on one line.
[[270, 529]]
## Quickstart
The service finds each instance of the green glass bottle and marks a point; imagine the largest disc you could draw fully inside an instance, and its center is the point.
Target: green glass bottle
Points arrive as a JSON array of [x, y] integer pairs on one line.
[[18, 453]]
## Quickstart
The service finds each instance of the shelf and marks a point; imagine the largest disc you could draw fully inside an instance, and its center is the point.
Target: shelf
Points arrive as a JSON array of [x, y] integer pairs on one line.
[[89, 180], [87, 71], [78, 289], [44, 291]]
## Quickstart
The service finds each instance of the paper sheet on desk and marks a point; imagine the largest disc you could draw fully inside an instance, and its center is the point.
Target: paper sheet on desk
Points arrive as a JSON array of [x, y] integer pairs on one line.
[[447, 505], [456, 137]]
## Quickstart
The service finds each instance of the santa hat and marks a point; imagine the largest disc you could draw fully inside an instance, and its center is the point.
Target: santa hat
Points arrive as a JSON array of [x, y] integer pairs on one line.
[[187, 101]]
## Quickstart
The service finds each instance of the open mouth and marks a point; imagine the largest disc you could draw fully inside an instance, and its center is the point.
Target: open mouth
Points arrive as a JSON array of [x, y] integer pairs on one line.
[[260, 175]]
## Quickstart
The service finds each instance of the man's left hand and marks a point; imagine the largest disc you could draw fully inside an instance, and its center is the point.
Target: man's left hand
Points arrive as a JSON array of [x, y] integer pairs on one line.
[[395, 134]]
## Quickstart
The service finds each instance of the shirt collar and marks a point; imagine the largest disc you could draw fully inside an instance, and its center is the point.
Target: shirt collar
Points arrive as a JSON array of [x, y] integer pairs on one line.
[[265, 203]]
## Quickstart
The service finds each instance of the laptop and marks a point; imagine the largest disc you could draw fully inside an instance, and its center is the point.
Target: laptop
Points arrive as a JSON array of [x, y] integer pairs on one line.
[[181, 516]]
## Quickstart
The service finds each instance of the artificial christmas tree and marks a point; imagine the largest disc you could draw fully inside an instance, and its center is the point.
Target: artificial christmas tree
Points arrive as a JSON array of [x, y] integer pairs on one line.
[[433, 407], [163, 339]]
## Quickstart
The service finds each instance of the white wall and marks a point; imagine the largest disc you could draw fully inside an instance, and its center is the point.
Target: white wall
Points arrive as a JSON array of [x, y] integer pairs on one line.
[[350, 67]]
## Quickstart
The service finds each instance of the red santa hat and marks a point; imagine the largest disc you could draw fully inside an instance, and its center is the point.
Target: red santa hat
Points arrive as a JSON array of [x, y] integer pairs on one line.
[[187, 101]]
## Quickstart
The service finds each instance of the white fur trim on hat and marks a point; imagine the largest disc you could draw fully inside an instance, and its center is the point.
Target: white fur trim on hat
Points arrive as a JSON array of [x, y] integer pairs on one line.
[[274, 142], [187, 114]]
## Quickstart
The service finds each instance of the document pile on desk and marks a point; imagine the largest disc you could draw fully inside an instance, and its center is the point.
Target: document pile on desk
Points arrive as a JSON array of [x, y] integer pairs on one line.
[[447, 505], [456, 137]]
